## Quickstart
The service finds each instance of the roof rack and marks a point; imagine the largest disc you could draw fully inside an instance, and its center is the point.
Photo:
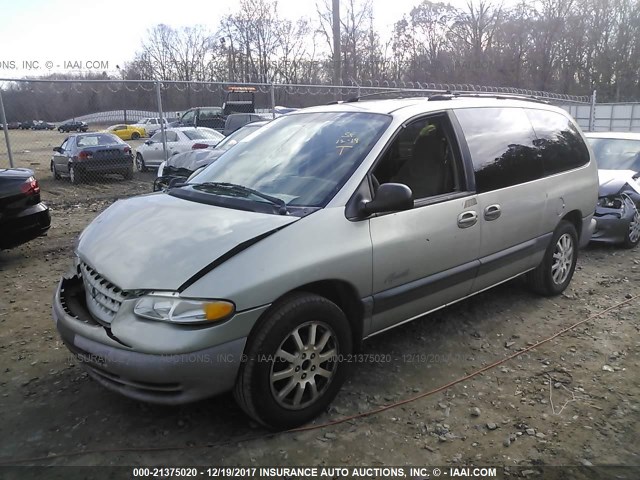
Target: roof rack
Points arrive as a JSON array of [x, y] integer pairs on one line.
[[396, 92], [500, 96], [433, 95]]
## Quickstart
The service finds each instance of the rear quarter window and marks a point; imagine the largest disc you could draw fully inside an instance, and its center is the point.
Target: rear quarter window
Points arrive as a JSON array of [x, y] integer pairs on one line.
[[502, 146], [558, 141]]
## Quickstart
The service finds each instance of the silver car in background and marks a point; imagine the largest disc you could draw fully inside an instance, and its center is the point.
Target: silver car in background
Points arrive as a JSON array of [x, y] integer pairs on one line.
[[181, 139], [151, 125], [267, 270]]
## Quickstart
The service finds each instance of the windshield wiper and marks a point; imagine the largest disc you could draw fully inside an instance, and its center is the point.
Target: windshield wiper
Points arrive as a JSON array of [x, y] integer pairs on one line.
[[235, 188]]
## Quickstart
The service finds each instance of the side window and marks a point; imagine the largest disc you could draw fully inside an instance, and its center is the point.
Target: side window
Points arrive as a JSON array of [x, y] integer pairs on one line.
[[559, 141], [207, 113], [65, 145], [502, 146], [423, 157], [188, 118], [172, 137]]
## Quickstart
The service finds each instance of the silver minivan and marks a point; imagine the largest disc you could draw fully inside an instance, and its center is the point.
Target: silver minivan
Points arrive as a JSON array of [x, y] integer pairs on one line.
[[264, 273]]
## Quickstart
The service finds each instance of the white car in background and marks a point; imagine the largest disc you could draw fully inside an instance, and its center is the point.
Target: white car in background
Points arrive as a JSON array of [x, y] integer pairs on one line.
[[151, 125], [181, 139]]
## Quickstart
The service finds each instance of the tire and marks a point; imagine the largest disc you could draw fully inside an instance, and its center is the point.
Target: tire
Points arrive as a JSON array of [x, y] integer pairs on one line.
[[79, 130], [633, 232], [128, 173], [61, 130], [256, 387], [140, 166], [554, 273], [74, 176], [135, 136], [56, 175]]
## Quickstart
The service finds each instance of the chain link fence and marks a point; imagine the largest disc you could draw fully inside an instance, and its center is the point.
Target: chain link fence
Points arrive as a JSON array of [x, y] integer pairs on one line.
[[106, 139]]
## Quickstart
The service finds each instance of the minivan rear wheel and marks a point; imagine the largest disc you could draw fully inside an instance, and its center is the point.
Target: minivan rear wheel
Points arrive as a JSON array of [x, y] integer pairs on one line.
[[554, 273], [294, 361]]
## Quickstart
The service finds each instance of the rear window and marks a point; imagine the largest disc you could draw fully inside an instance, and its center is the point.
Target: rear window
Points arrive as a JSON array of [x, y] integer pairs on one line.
[[559, 141], [96, 140], [502, 146]]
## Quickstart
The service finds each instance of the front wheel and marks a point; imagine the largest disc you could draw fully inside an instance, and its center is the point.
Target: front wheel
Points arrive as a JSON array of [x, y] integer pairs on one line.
[[294, 361], [135, 136], [555, 271], [633, 233]]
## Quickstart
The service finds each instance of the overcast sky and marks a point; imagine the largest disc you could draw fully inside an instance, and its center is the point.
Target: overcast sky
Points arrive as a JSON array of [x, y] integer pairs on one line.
[[52, 32]]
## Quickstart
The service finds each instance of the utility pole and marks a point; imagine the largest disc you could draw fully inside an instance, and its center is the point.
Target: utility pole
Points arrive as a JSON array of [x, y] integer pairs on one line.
[[337, 75]]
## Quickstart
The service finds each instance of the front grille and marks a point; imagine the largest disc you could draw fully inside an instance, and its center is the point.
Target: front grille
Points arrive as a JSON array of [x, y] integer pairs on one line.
[[103, 297]]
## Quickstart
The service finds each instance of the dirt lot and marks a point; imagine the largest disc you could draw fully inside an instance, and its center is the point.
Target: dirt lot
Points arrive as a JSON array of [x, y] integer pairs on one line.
[[571, 401]]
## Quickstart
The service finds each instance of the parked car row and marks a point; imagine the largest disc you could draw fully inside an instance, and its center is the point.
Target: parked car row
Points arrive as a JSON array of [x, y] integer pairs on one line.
[[31, 125]]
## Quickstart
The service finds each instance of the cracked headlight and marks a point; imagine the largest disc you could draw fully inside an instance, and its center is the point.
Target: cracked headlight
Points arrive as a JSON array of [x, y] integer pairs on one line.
[[610, 202], [170, 307]]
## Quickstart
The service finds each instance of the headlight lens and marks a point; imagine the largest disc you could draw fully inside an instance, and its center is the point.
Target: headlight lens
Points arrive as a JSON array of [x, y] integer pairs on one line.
[[172, 308], [610, 202]]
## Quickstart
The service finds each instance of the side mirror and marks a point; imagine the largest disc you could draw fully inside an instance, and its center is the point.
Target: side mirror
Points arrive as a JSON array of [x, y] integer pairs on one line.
[[177, 182], [390, 197], [57, 149], [148, 142]]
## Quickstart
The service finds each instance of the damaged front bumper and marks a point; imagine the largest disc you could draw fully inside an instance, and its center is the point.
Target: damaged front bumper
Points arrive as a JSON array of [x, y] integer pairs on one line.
[[612, 224], [168, 371]]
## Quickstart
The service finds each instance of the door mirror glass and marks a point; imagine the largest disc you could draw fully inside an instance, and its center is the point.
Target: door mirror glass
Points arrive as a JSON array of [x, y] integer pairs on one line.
[[57, 149], [390, 197], [177, 182]]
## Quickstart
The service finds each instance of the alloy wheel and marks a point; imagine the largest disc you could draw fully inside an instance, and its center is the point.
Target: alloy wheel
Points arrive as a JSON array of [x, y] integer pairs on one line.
[[562, 259], [304, 365]]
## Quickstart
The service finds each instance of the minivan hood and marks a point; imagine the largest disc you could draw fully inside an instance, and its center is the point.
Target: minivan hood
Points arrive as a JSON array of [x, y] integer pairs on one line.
[[158, 242]]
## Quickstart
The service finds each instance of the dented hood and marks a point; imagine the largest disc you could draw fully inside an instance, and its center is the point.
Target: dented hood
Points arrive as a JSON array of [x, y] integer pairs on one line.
[[159, 241], [612, 181]]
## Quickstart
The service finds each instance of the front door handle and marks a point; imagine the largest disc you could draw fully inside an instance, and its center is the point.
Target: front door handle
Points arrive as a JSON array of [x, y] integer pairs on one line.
[[467, 219], [492, 212]]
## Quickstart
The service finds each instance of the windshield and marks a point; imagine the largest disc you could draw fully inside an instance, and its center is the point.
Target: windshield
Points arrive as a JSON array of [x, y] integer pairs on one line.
[[202, 133], [236, 136], [616, 153], [302, 159]]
